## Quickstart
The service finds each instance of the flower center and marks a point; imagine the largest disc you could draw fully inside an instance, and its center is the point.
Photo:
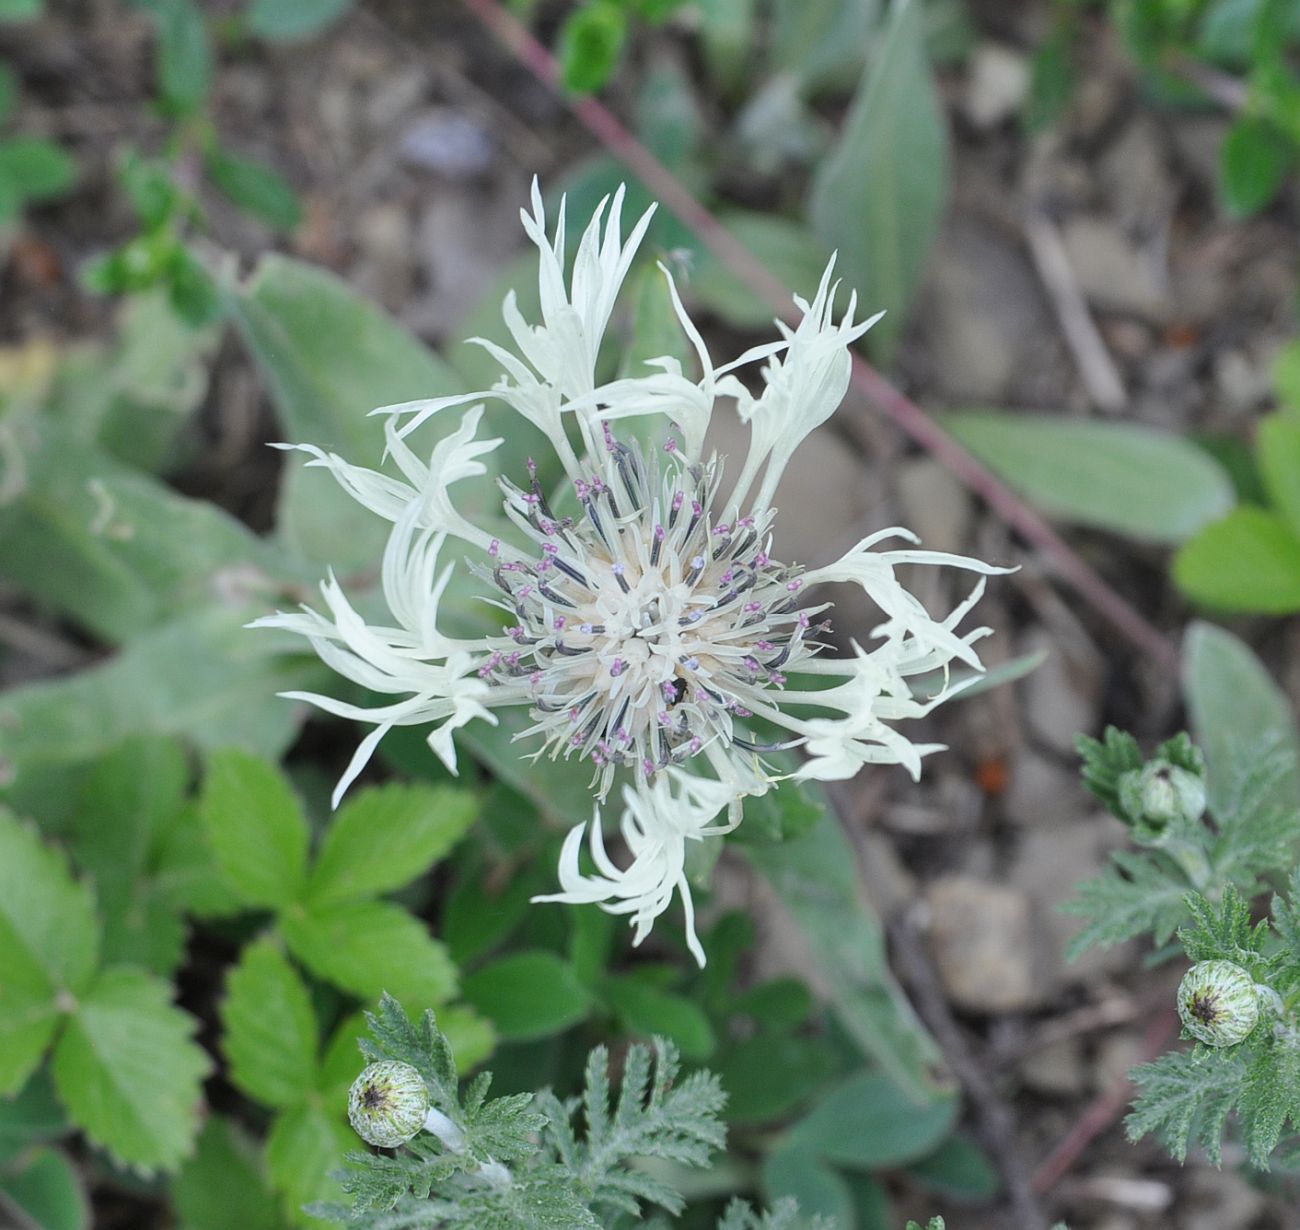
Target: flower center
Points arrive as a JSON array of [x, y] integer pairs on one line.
[[645, 628]]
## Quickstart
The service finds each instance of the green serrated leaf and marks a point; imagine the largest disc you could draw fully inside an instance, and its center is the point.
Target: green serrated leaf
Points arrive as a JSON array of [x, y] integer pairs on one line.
[[130, 802], [768, 1076], [591, 41], [868, 1123], [49, 1190], [1248, 561], [49, 947], [1131, 479], [1255, 159], [30, 1117], [342, 1061], [271, 1037], [1286, 375], [129, 1072], [879, 195], [960, 1169], [224, 1185], [369, 947], [384, 838], [305, 1147], [648, 1011], [8, 92], [33, 169], [1278, 449], [184, 873], [790, 1171], [528, 995], [256, 828]]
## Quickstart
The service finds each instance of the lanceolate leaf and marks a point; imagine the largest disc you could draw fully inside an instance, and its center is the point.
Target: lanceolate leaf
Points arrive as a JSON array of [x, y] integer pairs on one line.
[[48, 947], [271, 1038], [202, 676], [1238, 714], [330, 357], [1136, 480], [129, 1072], [815, 876], [878, 197], [384, 838], [117, 550], [256, 828]]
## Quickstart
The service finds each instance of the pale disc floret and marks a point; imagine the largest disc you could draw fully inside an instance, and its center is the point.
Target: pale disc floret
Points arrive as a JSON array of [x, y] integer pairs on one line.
[[649, 626], [388, 1104], [1218, 1002]]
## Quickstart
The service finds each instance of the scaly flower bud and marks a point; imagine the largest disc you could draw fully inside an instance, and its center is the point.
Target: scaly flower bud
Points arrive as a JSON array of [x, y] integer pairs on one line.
[[1161, 795], [1218, 1002], [388, 1104]]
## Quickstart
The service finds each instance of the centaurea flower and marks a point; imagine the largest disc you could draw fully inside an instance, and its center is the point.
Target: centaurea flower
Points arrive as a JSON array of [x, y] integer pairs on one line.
[[651, 630]]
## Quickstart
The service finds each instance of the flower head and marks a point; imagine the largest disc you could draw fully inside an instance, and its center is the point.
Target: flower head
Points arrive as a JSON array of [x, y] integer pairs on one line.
[[650, 628], [388, 1103], [1218, 1002]]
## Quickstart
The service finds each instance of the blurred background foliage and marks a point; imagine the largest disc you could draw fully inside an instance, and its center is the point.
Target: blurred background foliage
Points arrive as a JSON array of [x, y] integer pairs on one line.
[[187, 933]]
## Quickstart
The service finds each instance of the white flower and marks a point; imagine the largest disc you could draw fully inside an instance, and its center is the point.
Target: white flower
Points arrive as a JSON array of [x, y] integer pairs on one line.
[[650, 625]]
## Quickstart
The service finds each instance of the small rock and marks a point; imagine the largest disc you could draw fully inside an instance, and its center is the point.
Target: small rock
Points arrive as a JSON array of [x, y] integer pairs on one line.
[[1111, 271], [1117, 1056], [986, 325], [1136, 175], [447, 142], [983, 940], [1061, 698], [889, 883], [996, 85], [1057, 1070], [1065, 848], [935, 505], [384, 237], [1243, 382]]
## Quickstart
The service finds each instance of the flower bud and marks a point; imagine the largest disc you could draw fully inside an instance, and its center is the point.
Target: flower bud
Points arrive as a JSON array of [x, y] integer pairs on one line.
[[1161, 794], [1218, 1002], [388, 1103]]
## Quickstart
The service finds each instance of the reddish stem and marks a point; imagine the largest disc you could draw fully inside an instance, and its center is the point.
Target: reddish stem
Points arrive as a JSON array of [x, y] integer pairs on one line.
[[1108, 1105], [887, 398]]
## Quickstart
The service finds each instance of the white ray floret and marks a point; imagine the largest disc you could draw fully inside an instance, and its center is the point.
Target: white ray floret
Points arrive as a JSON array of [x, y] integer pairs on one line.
[[649, 630]]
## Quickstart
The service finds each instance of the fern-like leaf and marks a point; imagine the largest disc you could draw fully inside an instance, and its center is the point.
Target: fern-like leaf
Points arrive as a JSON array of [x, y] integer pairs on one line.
[[1185, 1098]]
